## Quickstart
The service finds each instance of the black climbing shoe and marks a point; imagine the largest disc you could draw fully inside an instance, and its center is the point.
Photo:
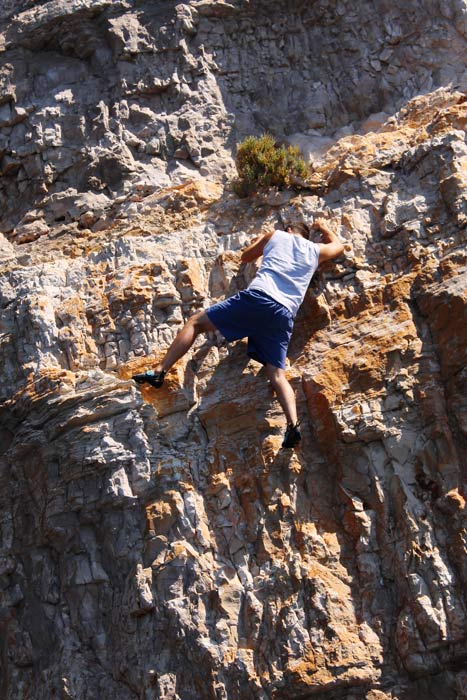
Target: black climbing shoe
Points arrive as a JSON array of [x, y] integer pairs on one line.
[[292, 435], [155, 379]]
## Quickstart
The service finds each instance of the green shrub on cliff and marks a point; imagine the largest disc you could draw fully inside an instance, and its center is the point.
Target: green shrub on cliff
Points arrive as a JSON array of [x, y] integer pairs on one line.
[[262, 163]]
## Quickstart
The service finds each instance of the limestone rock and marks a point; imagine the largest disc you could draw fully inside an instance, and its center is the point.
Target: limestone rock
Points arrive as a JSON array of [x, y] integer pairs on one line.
[[7, 250], [159, 543], [103, 95]]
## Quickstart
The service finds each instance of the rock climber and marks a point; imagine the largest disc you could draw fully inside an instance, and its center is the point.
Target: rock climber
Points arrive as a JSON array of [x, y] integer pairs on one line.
[[265, 311]]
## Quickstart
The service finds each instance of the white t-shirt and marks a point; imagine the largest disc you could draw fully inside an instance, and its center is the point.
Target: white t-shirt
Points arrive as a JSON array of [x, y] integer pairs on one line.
[[289, 263]]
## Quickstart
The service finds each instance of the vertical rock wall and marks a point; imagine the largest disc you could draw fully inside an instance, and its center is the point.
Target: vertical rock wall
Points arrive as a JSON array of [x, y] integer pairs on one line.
[[98, 96], [160, 544]]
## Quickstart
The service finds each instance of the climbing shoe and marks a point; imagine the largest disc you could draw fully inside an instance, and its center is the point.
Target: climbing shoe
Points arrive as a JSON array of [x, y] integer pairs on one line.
[[155, 379], [292, 435]]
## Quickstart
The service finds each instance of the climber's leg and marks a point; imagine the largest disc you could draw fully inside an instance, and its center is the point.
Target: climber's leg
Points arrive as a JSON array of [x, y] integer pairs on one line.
[[284, 391], [199, 323], [195, 325], [286, 398]]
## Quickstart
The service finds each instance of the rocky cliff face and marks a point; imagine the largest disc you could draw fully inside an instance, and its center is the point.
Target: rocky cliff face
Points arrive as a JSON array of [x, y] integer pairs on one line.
[[98, 96], [160, 544]]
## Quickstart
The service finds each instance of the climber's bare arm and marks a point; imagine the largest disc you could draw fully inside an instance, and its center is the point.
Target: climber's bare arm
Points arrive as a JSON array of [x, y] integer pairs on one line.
[[255, 249], [332, 246]]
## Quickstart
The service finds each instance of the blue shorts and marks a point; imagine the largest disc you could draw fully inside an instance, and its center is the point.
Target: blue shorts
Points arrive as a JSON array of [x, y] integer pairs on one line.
[[267, 324]]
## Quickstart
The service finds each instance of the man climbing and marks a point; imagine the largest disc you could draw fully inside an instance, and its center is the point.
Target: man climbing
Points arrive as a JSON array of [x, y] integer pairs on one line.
[[264, 312]]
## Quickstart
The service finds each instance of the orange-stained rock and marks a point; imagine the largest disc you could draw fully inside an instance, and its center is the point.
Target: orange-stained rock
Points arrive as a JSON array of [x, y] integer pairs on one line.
[[163, 537]]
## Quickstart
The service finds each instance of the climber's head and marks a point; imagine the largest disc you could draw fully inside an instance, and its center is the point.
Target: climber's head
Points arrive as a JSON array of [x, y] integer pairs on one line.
[[299, 228]]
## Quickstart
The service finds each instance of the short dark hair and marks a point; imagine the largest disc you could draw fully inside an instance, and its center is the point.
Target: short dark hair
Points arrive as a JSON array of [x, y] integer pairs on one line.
[[301, 228]]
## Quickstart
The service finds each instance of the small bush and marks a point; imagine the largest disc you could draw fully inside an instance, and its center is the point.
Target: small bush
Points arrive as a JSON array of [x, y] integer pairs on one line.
[[261, 163]]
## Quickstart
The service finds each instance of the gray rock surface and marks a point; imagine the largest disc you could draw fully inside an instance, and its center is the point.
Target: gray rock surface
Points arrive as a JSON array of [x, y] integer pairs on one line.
[[98, 95], [158, 544]]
